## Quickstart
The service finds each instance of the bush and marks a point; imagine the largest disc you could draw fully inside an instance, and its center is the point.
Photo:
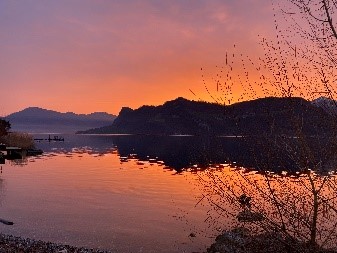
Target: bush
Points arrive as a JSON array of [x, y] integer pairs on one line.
[[4, 127], [21, 140]]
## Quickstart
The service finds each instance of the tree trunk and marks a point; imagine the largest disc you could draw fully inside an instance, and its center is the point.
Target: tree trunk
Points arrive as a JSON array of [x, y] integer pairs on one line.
[[313, 229]]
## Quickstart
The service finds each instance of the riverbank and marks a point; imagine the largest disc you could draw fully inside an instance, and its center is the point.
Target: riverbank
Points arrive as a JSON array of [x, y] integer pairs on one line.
[[13, 244]]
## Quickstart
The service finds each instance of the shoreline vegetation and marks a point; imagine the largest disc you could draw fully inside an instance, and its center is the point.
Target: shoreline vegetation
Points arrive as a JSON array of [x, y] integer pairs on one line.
[[18, 139], [15, 139], [11, 244]]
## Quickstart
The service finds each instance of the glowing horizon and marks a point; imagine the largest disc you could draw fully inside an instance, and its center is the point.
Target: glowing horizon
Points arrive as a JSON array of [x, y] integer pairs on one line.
[[84, 56]]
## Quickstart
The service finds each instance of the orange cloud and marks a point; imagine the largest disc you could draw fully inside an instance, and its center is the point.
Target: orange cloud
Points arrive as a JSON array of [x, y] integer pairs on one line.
[[82, 56]]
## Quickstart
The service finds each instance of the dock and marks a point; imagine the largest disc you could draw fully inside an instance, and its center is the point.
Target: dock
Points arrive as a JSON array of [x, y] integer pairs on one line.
[[12, 153], [50, 139]]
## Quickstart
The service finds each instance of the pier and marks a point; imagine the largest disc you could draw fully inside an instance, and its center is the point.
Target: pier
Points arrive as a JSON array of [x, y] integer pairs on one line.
[[55, 138], [12, 153]]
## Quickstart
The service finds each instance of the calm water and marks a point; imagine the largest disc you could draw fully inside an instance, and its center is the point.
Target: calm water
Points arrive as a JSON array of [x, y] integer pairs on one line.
[[125, 193], [86, 192]]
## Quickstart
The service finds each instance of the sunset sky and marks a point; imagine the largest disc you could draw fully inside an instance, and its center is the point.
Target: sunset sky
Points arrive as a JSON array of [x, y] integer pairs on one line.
[[85, 56]]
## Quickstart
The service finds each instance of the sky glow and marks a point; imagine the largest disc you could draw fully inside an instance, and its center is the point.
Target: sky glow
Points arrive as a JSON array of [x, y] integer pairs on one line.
[[85, 56]]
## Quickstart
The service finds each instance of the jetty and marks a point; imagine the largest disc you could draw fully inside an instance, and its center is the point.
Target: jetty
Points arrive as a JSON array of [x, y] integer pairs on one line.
[[50, 139], [12, 153]]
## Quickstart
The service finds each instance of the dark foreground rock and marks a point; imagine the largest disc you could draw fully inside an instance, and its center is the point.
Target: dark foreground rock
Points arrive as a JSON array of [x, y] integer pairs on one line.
[[13, 244], [240, 240]]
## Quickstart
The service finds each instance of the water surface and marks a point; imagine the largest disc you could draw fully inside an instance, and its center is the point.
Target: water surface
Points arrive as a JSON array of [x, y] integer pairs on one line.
[[137, 193], [84, 192]]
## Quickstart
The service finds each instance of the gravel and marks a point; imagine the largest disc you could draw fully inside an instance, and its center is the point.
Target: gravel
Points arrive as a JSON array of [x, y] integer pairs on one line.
[[13, 244]]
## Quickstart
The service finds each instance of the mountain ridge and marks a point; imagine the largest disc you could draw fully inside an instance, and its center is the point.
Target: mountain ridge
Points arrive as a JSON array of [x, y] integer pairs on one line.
[[272, 115], [36, 119], [327, 104]]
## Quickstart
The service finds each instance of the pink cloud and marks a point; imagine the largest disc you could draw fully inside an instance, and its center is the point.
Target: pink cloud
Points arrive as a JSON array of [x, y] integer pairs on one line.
[[132, 52]]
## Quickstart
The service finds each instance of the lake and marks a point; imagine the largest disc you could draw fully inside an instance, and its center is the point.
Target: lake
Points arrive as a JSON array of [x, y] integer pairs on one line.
[[124, 193], [108, 192]]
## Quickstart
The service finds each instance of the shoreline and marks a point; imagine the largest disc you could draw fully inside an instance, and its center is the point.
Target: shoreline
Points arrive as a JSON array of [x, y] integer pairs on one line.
[[242, 240], [10, 244]]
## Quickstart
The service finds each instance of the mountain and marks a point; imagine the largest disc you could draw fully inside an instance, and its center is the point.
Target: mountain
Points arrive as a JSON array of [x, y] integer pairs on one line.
[[327, 104], [289, 116], [38, 120]]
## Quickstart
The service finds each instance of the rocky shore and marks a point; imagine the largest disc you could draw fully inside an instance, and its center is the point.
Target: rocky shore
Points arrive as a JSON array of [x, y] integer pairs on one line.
[[13, 244], [240, 240]]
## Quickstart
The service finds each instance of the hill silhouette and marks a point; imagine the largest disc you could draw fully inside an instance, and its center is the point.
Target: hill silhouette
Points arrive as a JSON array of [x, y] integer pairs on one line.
[[327, 104], [281, 116], [37, 120]]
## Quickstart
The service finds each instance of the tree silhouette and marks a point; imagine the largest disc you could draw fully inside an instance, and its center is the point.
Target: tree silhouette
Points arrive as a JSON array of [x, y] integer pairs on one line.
[[4, 127], [298, 208]]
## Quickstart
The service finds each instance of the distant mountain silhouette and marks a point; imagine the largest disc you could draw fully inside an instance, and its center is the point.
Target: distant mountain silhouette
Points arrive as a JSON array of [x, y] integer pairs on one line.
[[267, 116], [37, 120], [327, 104]]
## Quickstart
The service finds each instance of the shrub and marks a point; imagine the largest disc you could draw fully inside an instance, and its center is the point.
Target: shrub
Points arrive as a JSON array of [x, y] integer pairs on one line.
[[4, 127], [21, 140]]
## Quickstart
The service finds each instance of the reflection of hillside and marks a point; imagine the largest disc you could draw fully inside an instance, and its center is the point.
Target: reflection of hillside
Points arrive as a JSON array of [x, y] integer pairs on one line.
[[177, 152], [287, 154], [257, 153]]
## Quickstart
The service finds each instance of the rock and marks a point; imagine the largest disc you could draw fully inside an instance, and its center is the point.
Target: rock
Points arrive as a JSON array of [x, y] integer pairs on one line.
[[249, 216], [241, 240], [192, 235], [15, 244], [230, 242], [6, 222]]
